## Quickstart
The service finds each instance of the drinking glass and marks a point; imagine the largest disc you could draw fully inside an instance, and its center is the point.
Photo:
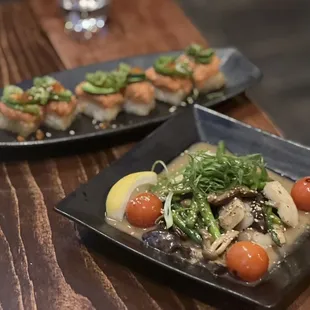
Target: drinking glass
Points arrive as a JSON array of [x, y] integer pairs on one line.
[[84, 18]]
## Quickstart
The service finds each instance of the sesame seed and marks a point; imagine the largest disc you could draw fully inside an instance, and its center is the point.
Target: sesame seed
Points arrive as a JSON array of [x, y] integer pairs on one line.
[[72, 132], [190, 100], [97, 127], [56, 97], [183, 104], [94, 122], [114, 126], [172, 109], [48, 134]]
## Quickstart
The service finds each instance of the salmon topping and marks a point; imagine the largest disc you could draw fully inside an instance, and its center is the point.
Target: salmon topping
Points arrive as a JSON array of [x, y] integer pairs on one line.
[[142, 92], [61, 108], [57, 87], [136, 70], [19, 115], [106, 101], [203, 72], [169, 83], [185, 58]]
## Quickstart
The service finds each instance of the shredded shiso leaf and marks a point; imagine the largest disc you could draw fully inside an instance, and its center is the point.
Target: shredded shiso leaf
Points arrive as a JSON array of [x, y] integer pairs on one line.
[[212, 173]]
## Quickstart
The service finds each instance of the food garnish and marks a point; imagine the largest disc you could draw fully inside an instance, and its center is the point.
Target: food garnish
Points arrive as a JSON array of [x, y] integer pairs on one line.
[[172, 66], [54, 89], [131, 74], [200, 54], [24, 101], [215, 173], [104, 83], [120, 193]]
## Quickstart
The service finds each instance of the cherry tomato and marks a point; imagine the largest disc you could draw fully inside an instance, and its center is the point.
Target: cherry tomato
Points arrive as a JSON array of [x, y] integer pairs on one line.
[[143, 210], [301, 194], [247, 260]]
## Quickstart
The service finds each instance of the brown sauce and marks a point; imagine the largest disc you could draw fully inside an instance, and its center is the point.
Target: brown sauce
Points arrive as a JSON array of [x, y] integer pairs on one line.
[[275, 254]]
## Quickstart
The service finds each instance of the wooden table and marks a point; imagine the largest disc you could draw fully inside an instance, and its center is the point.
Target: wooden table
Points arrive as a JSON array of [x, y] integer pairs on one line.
[[43, 262]]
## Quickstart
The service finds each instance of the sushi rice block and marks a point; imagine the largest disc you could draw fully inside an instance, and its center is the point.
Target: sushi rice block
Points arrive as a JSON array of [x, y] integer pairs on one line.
[[139, 93], [61, 109], [99, 96], [21, 111], [206, 64], [171, 78]]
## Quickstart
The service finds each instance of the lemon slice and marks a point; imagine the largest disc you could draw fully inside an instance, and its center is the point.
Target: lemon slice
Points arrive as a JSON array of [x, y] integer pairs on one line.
[[121, 191]]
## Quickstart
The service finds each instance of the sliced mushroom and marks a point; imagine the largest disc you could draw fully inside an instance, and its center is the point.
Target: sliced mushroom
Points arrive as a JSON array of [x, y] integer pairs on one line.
[[220, 244], [250, 234], [225, 197], [287, 213], [283, 202], [211, 250], [206, 245], [248, 219], [232, 214]]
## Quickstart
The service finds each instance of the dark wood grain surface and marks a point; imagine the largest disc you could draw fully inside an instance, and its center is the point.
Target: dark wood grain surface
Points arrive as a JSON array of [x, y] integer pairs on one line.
[[45, 261]]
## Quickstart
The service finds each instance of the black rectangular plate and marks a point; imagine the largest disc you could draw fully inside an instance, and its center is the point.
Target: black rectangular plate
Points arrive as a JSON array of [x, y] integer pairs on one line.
[[87, 204], [239, 71]]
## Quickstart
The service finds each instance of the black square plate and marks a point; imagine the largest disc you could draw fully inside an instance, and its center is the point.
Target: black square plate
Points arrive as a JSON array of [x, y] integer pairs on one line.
[[87, 204], [239, 71]]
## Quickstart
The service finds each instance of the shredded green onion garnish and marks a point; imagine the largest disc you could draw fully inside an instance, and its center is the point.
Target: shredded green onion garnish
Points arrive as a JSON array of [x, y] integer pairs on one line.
[[167, 211], [213, 173], [159, 162]]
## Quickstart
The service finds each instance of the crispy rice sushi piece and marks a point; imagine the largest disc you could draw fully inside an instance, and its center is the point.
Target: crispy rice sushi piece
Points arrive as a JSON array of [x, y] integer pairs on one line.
[[139, 98], [139, 93], [169, 89], [99, 107], [206, 65], [20, 111], [61, 106], [208, 78], [60, 115], [19, 122]]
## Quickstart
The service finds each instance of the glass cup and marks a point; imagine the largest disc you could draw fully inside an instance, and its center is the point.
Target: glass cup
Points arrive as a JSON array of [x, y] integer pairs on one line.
[[84, 18]]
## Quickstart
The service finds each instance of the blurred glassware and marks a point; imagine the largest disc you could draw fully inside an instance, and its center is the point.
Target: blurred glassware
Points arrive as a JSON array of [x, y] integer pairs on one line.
[[84, 18]]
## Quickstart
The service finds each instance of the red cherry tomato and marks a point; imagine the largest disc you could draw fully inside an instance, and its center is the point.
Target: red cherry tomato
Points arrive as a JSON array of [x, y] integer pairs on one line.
[[247, 260], [301, 194], [143, 210]]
